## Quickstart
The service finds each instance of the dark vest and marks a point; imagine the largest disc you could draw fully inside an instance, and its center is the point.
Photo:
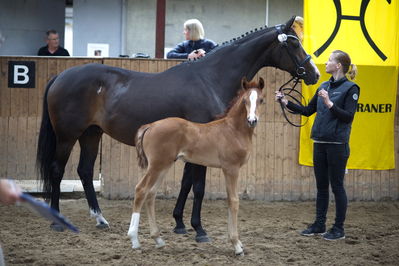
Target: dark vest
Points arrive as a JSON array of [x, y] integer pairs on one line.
[[326, 126]]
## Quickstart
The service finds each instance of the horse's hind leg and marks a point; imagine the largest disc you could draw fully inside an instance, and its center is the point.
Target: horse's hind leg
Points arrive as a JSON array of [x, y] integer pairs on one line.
[[146, 190], [63, 150], [142, 190], [89, 142], [150, 206]]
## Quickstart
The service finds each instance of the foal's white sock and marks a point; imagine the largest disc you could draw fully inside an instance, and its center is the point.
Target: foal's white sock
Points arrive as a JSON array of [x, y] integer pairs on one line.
[[134, 229]]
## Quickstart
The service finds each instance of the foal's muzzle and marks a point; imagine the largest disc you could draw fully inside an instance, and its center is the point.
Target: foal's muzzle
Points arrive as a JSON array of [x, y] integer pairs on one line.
[[252, 122]]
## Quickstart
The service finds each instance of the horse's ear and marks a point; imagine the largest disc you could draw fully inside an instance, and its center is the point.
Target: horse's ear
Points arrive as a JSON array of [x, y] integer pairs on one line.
[[289, 24], [297, 26], [261, 83], [244, 83]]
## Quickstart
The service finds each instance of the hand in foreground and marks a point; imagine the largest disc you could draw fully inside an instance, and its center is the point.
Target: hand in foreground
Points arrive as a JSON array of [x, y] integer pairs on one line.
[[9, 192]]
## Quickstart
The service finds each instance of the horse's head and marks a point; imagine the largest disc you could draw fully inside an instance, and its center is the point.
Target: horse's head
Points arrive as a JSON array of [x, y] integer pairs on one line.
[[289, 54], [252, 98]]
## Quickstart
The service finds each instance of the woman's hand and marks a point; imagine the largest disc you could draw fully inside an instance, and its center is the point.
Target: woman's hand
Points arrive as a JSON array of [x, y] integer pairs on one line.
[[280, 97], [324, 95], [196, 54]]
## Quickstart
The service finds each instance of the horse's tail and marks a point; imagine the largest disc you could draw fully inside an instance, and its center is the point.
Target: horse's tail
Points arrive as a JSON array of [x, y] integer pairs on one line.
[[46, 147], [143, 161]]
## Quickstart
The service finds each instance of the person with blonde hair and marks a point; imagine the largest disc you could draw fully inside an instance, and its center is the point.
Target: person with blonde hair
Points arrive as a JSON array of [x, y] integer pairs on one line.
[[334, 103], [195, 46]]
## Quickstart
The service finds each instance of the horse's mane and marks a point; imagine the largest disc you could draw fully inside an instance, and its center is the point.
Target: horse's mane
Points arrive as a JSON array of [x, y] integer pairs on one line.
[[297, 27], [238, 40], [240, 93]]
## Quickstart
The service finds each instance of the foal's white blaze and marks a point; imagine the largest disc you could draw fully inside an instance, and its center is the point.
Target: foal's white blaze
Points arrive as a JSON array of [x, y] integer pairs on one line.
[[252, 98], [133, 232]]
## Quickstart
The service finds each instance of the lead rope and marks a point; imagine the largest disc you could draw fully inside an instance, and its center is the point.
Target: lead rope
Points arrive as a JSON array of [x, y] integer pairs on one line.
[[288, 94]]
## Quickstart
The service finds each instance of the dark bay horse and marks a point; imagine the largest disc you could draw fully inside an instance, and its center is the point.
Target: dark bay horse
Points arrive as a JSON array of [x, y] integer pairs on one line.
[[161, 143], [83, 102]]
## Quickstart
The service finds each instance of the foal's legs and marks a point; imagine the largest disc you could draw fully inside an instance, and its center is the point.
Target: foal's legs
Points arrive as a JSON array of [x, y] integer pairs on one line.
[[63, 150], [89, 142], [231, 177], [194, 175], [146, 189], [155, 233]]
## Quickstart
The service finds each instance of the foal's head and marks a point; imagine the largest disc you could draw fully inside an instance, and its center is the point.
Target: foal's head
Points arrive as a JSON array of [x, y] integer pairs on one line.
[[252, 98]]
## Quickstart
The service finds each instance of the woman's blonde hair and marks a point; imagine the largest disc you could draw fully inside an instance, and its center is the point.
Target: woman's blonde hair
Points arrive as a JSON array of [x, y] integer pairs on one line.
[[195, 29], [345, 60]]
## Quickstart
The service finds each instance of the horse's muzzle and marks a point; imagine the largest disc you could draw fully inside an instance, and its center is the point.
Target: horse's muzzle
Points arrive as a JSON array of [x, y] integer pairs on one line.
[[252, 122]]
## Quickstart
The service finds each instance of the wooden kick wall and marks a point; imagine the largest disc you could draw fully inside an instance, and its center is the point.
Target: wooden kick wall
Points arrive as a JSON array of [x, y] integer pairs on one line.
[[272, 173]]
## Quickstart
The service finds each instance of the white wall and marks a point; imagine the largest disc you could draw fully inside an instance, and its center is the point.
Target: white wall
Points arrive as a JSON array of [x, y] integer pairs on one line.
[[97, 21]]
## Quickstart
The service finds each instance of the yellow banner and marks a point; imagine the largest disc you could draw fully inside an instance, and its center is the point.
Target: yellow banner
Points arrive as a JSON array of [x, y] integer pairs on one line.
[[366, 29], [369, 32]]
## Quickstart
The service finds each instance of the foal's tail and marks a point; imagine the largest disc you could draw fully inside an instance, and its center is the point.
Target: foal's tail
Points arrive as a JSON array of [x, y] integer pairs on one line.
[[143, 162], [46, 146]]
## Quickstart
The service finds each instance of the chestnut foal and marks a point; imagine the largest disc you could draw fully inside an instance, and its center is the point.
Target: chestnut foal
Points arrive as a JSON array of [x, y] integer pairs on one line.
[[223, 143]]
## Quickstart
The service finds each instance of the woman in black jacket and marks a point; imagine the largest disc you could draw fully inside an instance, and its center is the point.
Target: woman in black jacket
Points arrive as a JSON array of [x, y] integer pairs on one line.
[[195, 45], [335, 103]]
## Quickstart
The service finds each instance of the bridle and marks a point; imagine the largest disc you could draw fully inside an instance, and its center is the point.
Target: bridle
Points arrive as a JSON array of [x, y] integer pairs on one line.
[[282, 37], [300, 73]]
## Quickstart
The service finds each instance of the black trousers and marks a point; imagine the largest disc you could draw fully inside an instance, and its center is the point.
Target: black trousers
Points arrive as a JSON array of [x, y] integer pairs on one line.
[[329, 167]]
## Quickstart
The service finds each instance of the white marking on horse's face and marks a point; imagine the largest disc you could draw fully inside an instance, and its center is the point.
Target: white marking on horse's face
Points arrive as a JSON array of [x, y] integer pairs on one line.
[[252, 117], [315, 68]]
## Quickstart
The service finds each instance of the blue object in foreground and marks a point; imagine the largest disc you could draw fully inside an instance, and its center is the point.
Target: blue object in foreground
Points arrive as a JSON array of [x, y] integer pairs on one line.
[[47, 212]]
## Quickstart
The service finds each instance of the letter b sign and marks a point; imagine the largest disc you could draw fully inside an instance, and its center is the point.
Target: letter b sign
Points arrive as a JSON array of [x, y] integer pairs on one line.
[[21, 74]]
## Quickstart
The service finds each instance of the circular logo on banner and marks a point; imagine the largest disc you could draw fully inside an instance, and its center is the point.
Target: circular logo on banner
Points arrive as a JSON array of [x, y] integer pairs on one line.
[[355, 97]]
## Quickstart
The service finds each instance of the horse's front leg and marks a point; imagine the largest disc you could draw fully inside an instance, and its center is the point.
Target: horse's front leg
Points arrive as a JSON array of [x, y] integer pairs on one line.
[[186, 184], [199, 174], [231, 177]]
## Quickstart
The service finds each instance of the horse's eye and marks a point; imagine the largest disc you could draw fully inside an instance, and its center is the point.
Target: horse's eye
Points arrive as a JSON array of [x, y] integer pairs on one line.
[[261, 101]]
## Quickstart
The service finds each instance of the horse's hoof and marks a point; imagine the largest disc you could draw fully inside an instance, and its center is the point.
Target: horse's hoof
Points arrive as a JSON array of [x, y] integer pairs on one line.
[[202, 239], [180, 231], [136, 246], [240, 254], [57, 227], [159, 243], [102, 225]]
